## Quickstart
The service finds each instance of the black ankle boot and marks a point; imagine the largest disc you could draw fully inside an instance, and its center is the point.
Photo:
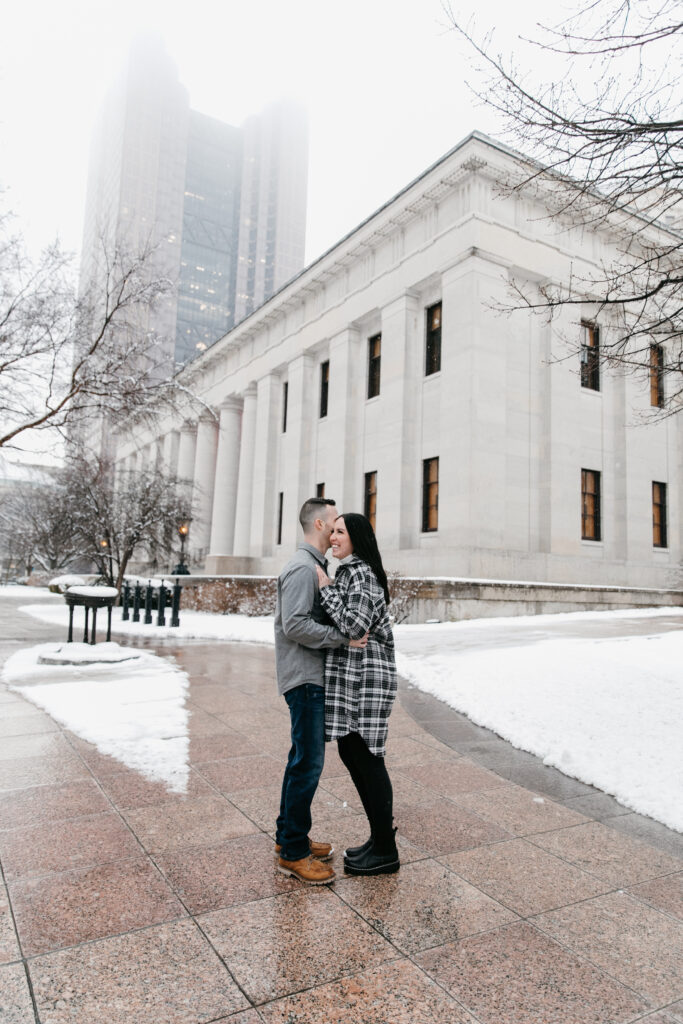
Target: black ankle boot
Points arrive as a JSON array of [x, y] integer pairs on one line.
[[381, 858], [358, 851]]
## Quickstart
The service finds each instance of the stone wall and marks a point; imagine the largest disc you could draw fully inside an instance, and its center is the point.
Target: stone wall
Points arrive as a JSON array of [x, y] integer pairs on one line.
[[444, 599]]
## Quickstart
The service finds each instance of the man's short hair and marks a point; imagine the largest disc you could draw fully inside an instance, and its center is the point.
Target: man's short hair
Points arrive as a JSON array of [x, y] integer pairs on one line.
[[310, 511]]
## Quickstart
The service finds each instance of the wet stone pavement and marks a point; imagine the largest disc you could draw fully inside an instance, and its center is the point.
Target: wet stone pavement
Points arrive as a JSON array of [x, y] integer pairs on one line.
[[524, 897]]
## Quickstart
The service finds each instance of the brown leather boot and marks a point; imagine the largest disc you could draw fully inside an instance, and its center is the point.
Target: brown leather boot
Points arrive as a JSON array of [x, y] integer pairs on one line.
[[321, 851], [308, 870]]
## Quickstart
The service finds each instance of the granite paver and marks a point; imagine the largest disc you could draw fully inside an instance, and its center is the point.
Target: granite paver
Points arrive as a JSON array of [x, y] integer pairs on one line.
[[125, 901]]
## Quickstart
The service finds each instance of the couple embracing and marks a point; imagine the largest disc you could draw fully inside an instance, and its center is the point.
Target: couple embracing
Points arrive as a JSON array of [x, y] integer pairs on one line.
[[334, 653]]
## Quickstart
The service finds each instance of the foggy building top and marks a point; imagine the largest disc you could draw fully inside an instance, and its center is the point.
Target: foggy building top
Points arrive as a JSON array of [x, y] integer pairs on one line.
[[225, 205]]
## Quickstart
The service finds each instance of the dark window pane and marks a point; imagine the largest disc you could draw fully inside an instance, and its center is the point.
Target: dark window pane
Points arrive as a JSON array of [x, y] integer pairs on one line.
[[285, 396], [659, 524], [280, 502], [324, 386], [374, 360], [430, 495], [433, 340], [370, 497], [590, 357], [590, 505], [656, 375], [320, 490]]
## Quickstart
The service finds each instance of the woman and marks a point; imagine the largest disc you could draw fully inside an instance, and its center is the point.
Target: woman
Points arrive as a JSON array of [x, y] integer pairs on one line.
[[360, 685]]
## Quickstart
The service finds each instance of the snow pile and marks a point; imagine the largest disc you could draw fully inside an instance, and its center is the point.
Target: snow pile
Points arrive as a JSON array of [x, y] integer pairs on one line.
[[132, 710], [62, 582], [93, 591], [86, 654]]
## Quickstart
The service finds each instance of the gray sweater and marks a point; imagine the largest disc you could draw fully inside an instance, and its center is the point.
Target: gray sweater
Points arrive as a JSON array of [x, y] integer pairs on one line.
[[302, 628]]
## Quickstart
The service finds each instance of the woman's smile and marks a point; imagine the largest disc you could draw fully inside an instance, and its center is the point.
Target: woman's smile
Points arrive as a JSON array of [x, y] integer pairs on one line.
[[340, 542]]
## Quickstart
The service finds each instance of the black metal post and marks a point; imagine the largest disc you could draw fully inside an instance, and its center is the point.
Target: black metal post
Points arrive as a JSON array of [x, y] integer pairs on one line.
[[175, 608], [85, 626], [125, 614], [148, 603], [71, 624], [94, 625], [137, 594], [161, 618]]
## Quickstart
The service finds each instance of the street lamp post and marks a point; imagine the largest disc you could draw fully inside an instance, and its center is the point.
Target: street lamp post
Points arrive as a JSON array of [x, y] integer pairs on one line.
[[104, 545], [183, 529]]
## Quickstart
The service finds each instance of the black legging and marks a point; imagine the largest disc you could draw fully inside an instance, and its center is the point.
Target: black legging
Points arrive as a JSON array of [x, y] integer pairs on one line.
[[371, 779]]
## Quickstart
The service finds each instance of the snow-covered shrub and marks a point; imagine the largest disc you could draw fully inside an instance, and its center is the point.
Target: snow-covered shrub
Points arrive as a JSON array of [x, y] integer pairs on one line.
[[403, 591], [246, 595]]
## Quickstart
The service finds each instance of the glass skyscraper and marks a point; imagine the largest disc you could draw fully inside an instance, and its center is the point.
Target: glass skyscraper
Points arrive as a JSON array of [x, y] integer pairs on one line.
[[225, 206]]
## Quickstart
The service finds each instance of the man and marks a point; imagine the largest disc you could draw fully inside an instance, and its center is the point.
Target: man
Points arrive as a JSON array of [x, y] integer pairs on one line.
[[302, 633]]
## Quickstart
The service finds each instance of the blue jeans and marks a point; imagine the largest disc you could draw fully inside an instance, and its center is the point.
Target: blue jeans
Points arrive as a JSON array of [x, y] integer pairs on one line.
[[304, 766]]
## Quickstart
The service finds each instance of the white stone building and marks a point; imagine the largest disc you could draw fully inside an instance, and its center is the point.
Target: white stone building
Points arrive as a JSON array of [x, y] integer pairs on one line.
[[479, 452]]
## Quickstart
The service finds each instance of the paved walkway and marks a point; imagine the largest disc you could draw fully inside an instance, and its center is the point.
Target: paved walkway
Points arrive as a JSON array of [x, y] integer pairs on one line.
[[524, 897]]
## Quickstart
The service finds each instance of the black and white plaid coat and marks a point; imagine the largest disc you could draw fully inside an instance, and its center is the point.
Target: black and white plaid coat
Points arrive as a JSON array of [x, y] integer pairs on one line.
[[360, 684]]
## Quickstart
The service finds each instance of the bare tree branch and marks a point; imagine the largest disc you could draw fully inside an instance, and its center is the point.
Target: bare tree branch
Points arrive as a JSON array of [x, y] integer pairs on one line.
[[67, 358], [605, 146], [86, 515]]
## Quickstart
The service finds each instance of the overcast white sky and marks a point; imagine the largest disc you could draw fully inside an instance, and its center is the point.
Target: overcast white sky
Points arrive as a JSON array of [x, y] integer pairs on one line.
[[383, 81]]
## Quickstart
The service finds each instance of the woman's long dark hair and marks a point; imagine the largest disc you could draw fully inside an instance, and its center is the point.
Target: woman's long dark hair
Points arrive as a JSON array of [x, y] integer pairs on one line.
[[362, 536]]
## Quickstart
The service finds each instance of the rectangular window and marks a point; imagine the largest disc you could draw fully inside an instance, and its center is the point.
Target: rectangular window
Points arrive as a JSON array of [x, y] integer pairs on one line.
[[324, 386], [280, 502], [370, 497], [590, 505], [433, 346], [285, 396], [659, 538], [374, 360], [430, 495], [590, 356], [320, 490], [657, 375]]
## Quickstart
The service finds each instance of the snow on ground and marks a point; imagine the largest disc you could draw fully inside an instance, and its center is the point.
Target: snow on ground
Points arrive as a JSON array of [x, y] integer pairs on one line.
[[605, 710], [18, 590], [133, 710], [193, 625]]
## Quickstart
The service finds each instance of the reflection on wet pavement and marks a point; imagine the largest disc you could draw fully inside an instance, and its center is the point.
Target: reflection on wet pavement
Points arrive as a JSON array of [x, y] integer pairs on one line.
[[124, 900]]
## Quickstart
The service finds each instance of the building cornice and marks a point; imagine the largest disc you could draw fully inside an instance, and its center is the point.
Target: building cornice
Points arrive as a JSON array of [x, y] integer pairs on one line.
[[476, 156]]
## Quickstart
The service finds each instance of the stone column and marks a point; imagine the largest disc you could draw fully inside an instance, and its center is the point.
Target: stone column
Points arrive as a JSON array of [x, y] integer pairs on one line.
[[203, 482], [397, 456], [187, 445], [157, 454], [170, 452], [299, 444], [264, 497], [344, 477], [245, 478], [225, 490]]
